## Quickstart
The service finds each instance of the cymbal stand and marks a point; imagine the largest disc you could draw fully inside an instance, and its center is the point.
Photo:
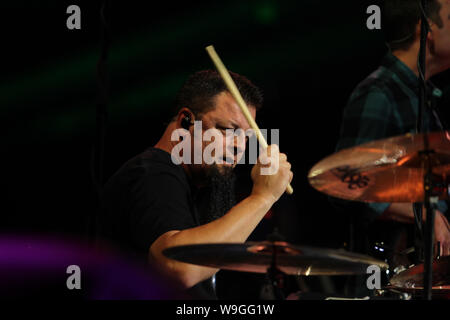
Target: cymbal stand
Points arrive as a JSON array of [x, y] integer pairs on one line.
[[276, 277], [429, 201]]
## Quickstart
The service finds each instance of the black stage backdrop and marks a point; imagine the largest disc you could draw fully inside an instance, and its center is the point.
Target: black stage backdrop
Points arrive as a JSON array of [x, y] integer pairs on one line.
[[306, 56]]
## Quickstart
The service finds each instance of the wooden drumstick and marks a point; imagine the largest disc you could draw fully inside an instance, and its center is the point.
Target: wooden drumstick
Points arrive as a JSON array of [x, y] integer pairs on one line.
[[240, 101]]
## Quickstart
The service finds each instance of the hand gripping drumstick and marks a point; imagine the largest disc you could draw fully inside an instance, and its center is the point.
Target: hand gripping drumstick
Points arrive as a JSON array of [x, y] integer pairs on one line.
[[240, 101]]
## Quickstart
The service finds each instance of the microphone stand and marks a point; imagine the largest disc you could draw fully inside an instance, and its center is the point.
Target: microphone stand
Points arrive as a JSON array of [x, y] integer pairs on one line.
[[429, 199]]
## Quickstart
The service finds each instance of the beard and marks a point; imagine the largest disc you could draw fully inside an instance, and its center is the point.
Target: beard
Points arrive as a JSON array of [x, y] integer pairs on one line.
[[218, 196]]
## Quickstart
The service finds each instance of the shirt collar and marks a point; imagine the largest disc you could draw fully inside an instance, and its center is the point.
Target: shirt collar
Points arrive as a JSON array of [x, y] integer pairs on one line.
[[405, 74]]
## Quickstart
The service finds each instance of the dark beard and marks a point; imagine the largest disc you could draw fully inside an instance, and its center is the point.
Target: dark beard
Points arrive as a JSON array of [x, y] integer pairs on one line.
[[219, 196]]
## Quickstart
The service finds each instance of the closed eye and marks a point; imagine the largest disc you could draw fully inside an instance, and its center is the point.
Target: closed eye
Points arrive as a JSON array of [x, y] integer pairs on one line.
[[224, 128]]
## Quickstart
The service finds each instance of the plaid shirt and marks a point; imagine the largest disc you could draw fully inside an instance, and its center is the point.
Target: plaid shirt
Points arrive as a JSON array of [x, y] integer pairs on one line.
[[384, 105]]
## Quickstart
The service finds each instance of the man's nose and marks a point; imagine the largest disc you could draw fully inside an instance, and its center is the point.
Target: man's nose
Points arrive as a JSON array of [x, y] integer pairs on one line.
[[237, 148], [235, 145]]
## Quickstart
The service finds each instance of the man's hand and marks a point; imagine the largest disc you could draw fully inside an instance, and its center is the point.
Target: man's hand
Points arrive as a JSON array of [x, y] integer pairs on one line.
[[235, 226], [271, 185], [442, 233]]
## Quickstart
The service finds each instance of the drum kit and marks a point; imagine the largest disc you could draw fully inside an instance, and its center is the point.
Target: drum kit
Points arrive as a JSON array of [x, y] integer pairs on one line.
[[389, 170]]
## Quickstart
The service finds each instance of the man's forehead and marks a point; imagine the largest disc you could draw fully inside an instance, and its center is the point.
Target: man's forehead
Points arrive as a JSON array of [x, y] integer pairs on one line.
[[227, 109]]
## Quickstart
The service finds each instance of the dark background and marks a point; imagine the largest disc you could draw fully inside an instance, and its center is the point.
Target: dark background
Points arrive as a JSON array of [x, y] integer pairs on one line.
[[306, 56]]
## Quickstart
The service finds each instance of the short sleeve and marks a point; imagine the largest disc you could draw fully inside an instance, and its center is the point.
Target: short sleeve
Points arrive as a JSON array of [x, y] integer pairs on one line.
[[160, 203]]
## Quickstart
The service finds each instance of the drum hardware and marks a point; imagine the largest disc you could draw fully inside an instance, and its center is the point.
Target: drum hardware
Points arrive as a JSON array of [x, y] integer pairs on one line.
[[391, 293], [411, 168], [411, 279], [399, 269]]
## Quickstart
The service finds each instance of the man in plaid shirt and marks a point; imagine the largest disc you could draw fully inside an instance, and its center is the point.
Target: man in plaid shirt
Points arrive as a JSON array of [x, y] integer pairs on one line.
[[386, 103]]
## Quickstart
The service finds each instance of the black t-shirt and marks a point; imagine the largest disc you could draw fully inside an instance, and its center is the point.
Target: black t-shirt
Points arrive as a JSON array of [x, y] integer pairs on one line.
[[146, 198]]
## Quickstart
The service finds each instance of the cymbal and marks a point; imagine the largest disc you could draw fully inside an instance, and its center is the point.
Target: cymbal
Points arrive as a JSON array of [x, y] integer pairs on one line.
[[411, 280], [389, 170], [257, 257]]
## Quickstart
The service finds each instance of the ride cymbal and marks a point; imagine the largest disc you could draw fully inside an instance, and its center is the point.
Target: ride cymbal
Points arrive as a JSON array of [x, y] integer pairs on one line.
[[389, 170]]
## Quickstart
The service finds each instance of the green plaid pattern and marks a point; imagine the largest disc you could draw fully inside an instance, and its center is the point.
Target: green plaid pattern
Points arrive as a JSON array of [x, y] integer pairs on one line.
[[384, 105]]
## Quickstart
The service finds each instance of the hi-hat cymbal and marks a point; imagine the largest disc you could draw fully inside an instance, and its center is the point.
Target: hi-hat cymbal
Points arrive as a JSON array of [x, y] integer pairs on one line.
[[411, 280], [389, 170], [257, 257]]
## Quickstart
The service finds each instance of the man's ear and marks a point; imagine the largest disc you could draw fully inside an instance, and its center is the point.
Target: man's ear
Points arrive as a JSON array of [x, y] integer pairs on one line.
[[185, 118], [430, 32], [419, 30], [430, 39]]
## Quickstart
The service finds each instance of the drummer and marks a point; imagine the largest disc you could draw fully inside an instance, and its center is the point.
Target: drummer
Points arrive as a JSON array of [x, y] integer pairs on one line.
[[386, 103], [151, 203]]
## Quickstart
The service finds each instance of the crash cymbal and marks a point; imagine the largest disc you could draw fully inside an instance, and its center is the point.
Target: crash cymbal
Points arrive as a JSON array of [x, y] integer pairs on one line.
[[411, 280], [389, 170], [257, 257]]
